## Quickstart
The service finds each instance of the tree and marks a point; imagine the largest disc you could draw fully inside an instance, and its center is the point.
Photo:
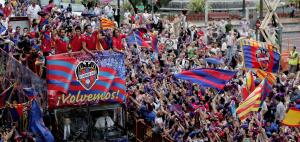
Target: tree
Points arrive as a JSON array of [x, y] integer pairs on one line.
[[196, 5], [296, 2], [89, 3], [134, 3], [148, 4]]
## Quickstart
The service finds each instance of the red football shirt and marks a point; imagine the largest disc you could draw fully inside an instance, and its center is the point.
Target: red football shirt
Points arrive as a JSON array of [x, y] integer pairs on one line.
[[76, 43], [46, 42], [117, 42], [61, 46], [90, 40], [7, 11]]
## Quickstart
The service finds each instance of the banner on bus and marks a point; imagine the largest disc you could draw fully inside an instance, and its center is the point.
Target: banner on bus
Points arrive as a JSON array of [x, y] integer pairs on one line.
[[77, 79]]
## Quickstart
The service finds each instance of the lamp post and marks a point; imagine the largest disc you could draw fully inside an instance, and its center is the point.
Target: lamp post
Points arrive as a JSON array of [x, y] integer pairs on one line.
[[152, 6], [261, 6], [118, 13], [244, 8], [206, 12]]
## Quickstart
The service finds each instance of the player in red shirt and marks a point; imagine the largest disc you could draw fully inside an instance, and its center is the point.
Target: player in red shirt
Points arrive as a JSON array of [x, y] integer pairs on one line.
[[90, 40], [62, 42], [117, 41], [7, 9], [76, 41], [46, 41]]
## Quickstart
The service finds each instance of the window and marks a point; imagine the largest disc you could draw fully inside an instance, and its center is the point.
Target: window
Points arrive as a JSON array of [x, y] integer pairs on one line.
[[91, 123]]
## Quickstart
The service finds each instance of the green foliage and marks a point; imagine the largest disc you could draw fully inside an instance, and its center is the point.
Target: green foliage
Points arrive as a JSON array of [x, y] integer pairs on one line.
[[163, 2], [126, 6], [293, 1], [85, 2], [196, 5]]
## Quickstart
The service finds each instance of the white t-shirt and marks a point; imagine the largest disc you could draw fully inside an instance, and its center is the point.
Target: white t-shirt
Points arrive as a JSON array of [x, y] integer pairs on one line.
[[97, 10], [224, 46], [33, 11], [100, 123], [108, 10], [280, 111]]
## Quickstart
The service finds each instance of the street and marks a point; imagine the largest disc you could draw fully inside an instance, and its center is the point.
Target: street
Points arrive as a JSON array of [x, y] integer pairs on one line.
[[291, 39]]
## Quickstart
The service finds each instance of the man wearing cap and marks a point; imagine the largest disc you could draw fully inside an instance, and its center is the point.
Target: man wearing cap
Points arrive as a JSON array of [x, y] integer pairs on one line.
[[293, 60]]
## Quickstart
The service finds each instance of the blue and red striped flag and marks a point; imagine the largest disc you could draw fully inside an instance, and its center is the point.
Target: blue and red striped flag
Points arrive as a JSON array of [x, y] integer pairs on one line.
[[118, 85], [155, 43], [64, 81], [136, 37], [214, 78], [5, 95], [267, 89], [60, 70], [258, 55]]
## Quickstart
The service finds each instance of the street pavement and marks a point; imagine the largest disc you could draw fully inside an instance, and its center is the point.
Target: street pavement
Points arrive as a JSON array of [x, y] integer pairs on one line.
[[291, 31]]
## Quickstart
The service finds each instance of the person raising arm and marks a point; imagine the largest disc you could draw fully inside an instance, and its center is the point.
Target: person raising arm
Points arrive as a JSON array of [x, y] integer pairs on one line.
[[90, 40]]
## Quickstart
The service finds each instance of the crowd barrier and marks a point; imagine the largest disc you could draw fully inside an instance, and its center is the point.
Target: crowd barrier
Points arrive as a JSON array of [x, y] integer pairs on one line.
[[14, 72]]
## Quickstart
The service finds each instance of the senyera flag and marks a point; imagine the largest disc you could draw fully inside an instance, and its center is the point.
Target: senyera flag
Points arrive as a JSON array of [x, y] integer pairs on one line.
[[258, 55], [251, 103], [207, 77], [78, 79]]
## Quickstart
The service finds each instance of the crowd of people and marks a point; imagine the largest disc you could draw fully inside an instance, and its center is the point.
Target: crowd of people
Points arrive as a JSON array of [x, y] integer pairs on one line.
[[178, 109]]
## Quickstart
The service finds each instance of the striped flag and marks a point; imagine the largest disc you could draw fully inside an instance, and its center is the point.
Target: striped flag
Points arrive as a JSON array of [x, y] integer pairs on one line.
[[262, 75], [250, 84], [155, 43], [107, 24], [214, 78], [68, 77], [60, 70], [251, 103], [266, 91], [118, 85], [292, 118], [136, 38], [258, 55]]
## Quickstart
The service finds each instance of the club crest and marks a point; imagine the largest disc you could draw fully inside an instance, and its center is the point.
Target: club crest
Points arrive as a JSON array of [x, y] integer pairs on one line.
[[87, 74], [263, 58]]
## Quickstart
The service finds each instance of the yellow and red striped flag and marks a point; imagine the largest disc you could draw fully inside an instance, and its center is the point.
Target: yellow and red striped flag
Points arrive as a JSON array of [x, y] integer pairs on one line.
[[292, 118], [249, 86], [262, 75], [250, 82], [107, 24], [251, 103]]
